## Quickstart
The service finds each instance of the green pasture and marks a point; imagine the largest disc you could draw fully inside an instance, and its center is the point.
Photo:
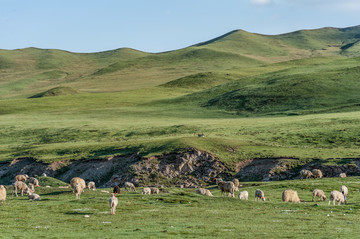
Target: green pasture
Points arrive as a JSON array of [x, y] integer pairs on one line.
[[181, 213]]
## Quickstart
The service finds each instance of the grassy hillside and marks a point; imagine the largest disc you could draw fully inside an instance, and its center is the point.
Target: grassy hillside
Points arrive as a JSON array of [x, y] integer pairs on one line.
[[182, 213]]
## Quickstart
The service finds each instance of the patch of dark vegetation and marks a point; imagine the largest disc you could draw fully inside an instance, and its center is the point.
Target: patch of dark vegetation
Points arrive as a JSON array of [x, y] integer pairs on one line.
[[57, 91]]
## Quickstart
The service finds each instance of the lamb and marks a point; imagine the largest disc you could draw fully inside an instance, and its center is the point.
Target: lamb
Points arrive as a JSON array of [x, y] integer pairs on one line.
[[2, 194], [154, 190], [21, 177], [319, 193], [317, 173], [78, 180], [336, 196], [344, 190], [34, 196], [113, 202], [43, 175], [91, 186], [78, 189], [236, 183], [342, 175], [204, 191], [290, 196], [227, 187], [259, 194], [244, 195], [34, 181], [146, 191], [305, 174], [129, 186], [22, 187], [116, 190]]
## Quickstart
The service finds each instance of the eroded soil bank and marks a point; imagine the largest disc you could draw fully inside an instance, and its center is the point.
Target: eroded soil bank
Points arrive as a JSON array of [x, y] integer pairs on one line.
[[191, 169]]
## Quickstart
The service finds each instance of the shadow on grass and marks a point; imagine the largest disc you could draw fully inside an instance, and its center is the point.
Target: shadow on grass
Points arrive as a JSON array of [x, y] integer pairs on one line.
[[55, 193], [78, 213]]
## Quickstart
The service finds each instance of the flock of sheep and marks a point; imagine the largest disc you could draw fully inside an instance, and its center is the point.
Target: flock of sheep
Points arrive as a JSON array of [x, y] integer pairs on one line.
[[78, 185]]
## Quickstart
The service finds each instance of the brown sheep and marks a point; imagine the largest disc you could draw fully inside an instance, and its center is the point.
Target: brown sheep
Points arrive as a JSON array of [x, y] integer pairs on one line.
[[336, 196], [290, 196], [227, 187], [204, 191], [305, 174], [21, 177], [319, 193], [22, 187], [2, 194], [116, 190], [259, 195], [317, 173], [34, 181], [78, 180], [154, 190]]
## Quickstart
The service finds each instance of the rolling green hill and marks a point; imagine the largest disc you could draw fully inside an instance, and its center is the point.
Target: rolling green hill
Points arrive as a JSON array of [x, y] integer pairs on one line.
[[291, 95]]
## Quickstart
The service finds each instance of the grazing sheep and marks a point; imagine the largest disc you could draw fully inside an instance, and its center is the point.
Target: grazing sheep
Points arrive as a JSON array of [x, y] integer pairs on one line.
[[236, 183], [290, 196], [319, 193], [259, 195], [244, 195], [34, 181], [146, 191], [21, 177], [317, 173], [204, 191], [113, 202], [91, 186], [78, 189], [336, 196], [116, 190], [77, 180], [2, 194], [154, 190], [342, 175], [227, 187], [305, 174], [34, 196], [22, 187], [129, 186], [344, 190]]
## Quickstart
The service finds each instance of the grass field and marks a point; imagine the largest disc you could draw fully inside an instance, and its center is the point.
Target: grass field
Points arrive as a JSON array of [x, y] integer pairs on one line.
[[181, 213]]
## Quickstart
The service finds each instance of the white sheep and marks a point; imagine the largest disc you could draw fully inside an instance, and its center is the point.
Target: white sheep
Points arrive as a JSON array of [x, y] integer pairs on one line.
[[227, 187], [22, 187], [76, 180], [44, 175], [345, 191], [290, 196], [34, 196], [21, 177], [305, 174], [317, 173], [342, 175], [2, 194], [244, 195], [154, 190], [204, 191], [336, 196], [113, 202], [146, 191], [78, 189], [259, 195], [91, 186], [319, 193], [129, 186]]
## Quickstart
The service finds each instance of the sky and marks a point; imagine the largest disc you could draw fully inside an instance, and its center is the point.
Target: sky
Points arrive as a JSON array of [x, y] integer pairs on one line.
[[158, 25]]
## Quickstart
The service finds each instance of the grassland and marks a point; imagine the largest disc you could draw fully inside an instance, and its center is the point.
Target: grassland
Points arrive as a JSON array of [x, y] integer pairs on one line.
[[293, 95], [180, 213]]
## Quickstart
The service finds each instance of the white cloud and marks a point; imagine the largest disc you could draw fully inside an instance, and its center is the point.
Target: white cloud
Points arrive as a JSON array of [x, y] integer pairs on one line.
[[261, 2]]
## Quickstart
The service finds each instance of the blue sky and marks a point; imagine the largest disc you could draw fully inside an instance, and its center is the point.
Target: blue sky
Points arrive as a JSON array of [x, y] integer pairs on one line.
[[158, 25]]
